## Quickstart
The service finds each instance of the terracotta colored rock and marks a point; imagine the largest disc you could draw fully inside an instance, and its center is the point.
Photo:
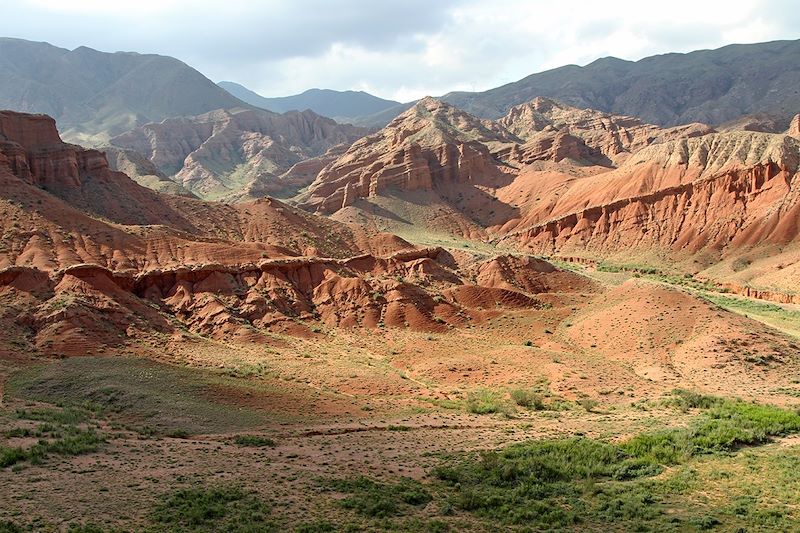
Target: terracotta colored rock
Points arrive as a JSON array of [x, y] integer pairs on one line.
[[794, 127], [725, 190], [613, 136], [432, 146]]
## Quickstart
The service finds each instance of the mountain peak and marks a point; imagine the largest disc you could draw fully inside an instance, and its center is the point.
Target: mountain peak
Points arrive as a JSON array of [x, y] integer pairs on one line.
[[343, 106]]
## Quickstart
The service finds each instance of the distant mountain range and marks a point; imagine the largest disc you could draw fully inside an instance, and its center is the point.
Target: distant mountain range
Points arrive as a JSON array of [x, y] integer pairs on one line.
[[95, 95], [710, 86], [342, 106]]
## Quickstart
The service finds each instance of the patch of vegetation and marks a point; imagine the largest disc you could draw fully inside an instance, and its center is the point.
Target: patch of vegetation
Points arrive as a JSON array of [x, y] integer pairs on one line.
[[67, 415], [319, 526], [528, 399], [484, 402], [768, 313], [443, 403], [85, 528], [222, 508], [373, 499], [589, 405], [685, 400], [246, 370], [79, 443], [641, 269], [560, 483], [256, 441], [7, 526]]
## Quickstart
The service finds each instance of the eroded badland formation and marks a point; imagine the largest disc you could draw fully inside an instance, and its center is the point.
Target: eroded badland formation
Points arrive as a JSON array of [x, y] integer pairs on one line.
[[444, 284]]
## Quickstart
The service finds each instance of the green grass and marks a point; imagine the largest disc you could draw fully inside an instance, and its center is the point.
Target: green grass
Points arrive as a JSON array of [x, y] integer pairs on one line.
[[639, 268], [67, 415], [561, 483], [77, 444], [140, 392], [771, 314], [685, 400], [754, 306], [7, 526], [319, 526], [221, 508]]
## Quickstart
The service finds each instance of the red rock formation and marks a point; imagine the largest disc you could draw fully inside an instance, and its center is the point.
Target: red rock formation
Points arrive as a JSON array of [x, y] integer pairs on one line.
[[530, 275], [754, 122], [432, 146], [463, 161], [78, 283], [554, 145], [613, 136], [61, 205], [82, 178], [78, 309], [794, 127], [718, 191]]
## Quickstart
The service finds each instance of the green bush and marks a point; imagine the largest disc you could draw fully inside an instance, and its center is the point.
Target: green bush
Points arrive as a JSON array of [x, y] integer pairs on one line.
[[320, 526], [68, 415], [9, 527], [528, 399], [668, 447], [588, 404], [685, 400]]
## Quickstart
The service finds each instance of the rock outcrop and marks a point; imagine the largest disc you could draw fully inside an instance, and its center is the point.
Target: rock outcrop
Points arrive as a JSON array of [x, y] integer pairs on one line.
[[432, 146], [80, 273], [61, 205], [35, 154], [720, 191], [794, 127], [142, 171], [87, 307], [613, 136]]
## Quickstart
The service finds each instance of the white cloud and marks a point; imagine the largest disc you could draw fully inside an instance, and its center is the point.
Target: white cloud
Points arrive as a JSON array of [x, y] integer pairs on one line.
[[400, 49]]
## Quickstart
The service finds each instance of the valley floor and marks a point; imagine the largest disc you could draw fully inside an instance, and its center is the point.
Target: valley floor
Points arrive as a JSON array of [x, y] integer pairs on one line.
[[349, 430]]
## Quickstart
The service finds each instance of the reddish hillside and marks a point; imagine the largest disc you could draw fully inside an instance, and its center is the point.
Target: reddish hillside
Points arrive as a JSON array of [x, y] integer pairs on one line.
[[734, 189], [90, 259]]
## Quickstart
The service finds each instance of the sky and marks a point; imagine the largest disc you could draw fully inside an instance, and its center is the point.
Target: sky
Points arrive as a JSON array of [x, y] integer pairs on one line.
[[401, 50]]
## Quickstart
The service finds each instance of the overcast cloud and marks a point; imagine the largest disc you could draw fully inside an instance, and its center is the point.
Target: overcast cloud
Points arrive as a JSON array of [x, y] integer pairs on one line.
[[395, 49]]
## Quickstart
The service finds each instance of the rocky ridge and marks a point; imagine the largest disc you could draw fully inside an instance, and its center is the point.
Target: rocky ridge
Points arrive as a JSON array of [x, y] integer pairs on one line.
[[220, 154]]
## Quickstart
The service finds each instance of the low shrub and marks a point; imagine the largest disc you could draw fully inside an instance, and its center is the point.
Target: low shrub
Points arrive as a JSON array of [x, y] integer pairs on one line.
[[373, 499], [484, 402], [528, 399]]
